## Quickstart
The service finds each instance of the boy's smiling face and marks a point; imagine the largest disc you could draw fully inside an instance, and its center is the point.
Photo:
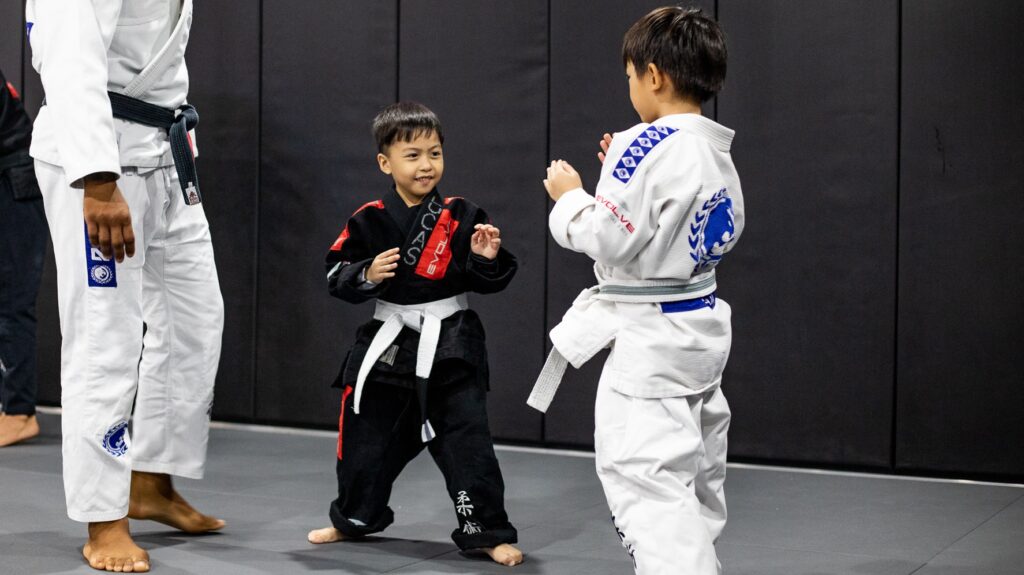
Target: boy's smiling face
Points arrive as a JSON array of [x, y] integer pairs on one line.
[[416, 165]]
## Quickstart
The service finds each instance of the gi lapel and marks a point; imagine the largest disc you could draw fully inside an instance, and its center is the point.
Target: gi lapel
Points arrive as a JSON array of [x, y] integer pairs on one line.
[[428, 245]]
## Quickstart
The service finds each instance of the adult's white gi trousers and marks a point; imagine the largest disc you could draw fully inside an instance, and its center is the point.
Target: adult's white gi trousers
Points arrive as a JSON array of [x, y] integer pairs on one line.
[[662, 465], [144, 335]]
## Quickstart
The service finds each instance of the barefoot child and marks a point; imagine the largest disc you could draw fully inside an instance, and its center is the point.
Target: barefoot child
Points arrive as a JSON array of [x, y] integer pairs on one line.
[[417, 375], [667, 208]]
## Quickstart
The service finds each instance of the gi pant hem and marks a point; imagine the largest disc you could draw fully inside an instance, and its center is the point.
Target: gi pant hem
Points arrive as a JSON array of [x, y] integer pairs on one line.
[[175, 469], [352, 530], [29, 410], [489, 538], [98, 516]]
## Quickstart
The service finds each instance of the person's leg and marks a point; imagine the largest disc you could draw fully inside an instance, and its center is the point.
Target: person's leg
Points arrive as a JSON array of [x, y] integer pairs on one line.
[[100, 306], [374, 446], [22, 248], [184, 315], [714, 416], [648, 455], [464, 452]]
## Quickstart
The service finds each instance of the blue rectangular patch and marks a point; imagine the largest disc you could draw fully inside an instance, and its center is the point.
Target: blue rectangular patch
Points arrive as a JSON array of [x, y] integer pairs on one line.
[[101, 271], [28, 29]]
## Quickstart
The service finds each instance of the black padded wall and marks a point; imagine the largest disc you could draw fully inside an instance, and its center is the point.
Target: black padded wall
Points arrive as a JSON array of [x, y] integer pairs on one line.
[[812, 94], [327, 68], [223, 63], [960, 368], [878, 144], [482, 66], [12, 26]]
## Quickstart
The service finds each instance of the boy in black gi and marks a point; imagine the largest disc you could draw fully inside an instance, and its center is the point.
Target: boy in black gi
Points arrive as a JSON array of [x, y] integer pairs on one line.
[[417, 374]]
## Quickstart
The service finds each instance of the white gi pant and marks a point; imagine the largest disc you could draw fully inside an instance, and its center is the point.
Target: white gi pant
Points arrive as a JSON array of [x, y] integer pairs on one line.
[[662, 462], [169, 291]]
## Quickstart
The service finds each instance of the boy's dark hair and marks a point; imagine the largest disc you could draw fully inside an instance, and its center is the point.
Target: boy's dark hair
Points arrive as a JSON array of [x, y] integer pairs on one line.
[[404, 121], [684, 44]]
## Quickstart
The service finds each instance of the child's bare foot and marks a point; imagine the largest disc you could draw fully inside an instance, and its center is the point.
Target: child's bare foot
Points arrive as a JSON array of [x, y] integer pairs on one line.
[[325, 535], [110, 548], [17, 428], [154, 498], [505, 554]]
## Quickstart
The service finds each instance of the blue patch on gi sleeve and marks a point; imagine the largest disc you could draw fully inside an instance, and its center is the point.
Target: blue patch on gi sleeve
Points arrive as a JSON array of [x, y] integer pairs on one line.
[[638, 150], [28, 29], [101, 271], [712, 230]]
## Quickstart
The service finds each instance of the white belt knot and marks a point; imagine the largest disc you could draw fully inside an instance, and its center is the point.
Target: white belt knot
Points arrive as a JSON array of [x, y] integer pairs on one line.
[[426, 319]]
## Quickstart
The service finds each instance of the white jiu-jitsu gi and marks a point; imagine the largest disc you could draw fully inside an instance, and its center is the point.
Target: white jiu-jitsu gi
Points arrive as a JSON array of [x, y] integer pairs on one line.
[[169, 289], [667, 208]]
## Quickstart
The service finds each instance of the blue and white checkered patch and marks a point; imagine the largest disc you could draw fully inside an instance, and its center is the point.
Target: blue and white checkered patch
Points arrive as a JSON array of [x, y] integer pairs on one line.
[[638, 150]]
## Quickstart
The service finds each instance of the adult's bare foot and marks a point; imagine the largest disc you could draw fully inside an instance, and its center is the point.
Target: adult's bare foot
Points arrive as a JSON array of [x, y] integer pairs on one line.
[[325, 535], [17, 428], [505, 554], [153, 497], [110, 548]]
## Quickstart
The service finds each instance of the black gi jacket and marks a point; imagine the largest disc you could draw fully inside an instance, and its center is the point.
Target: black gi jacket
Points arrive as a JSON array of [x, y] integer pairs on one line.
[[16, 170], [435, 263]]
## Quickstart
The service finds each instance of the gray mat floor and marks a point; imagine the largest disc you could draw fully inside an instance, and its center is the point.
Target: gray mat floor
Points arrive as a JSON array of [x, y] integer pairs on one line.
[[273, 486]]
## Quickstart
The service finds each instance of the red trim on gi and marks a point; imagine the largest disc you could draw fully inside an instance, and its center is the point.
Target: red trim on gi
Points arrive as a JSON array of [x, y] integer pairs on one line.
[[379, 204], [437, 254], [341, 418], [13, 91]]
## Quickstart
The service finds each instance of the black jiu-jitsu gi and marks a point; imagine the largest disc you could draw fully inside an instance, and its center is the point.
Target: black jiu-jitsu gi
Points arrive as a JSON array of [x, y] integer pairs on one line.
[[385, 429]]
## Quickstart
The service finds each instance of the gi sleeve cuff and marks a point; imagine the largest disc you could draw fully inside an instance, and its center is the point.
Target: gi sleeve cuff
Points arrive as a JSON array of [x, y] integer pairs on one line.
[[566, 208]]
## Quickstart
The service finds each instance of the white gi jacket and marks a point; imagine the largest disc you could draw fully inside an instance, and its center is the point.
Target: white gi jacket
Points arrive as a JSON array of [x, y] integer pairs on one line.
[[667, 208], [85, 48]]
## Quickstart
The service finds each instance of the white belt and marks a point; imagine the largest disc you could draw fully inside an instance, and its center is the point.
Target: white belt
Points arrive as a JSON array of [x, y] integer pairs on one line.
[[424, 318], [582, 332]]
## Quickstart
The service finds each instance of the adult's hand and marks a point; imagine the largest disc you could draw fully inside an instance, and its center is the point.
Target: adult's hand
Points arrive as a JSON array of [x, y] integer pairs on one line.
[[107, 217]]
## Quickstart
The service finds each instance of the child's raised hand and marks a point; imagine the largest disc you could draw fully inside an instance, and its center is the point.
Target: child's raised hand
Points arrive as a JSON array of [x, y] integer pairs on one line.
[[383, 266], [486, 241], [606, 141], [561, 179]]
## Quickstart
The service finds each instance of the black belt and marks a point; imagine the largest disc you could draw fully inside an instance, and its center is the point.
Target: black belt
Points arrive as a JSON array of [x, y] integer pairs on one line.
[[15, 159], [177, 123]]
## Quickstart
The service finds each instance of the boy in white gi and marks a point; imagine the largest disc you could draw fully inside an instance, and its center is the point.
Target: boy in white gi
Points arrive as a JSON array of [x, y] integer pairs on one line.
[[667, 208], [135, 270]]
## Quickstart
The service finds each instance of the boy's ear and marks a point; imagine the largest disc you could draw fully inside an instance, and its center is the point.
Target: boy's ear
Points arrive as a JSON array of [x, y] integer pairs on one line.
[[654, 77], [384, 164]]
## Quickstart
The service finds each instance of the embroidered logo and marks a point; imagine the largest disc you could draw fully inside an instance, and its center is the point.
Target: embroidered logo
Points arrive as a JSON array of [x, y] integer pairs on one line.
[[471, 528], [102, 271], [437, 253], [463, 506], [193, 195], [620, 218], [116, 439], [639, 150], [711, 232]]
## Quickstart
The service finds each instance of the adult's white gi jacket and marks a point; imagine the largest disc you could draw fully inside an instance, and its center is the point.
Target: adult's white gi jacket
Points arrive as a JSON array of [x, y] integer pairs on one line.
[[80, 58]]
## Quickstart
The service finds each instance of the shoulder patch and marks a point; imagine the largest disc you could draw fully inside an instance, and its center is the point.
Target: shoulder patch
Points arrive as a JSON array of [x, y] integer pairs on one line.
[[379, 204], [638, 150]]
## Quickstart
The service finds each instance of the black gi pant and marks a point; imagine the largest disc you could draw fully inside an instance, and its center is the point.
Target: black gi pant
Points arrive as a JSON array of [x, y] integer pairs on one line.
[[23, 237], [375, 445]]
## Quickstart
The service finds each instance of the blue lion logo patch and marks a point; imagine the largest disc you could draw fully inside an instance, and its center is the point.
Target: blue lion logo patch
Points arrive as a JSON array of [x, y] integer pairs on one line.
[[711, 232], [115, 441]]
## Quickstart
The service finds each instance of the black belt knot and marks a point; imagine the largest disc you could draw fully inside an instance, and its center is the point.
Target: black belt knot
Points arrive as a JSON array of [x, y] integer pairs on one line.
[[177, 123]]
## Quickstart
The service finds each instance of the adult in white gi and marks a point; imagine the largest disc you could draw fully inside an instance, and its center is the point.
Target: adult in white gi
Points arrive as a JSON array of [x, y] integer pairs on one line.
[[144, 332], [667, 208]]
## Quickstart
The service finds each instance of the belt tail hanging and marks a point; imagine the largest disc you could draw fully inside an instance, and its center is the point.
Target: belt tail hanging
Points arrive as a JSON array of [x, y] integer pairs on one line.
[[184, 159], [548, 381]]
